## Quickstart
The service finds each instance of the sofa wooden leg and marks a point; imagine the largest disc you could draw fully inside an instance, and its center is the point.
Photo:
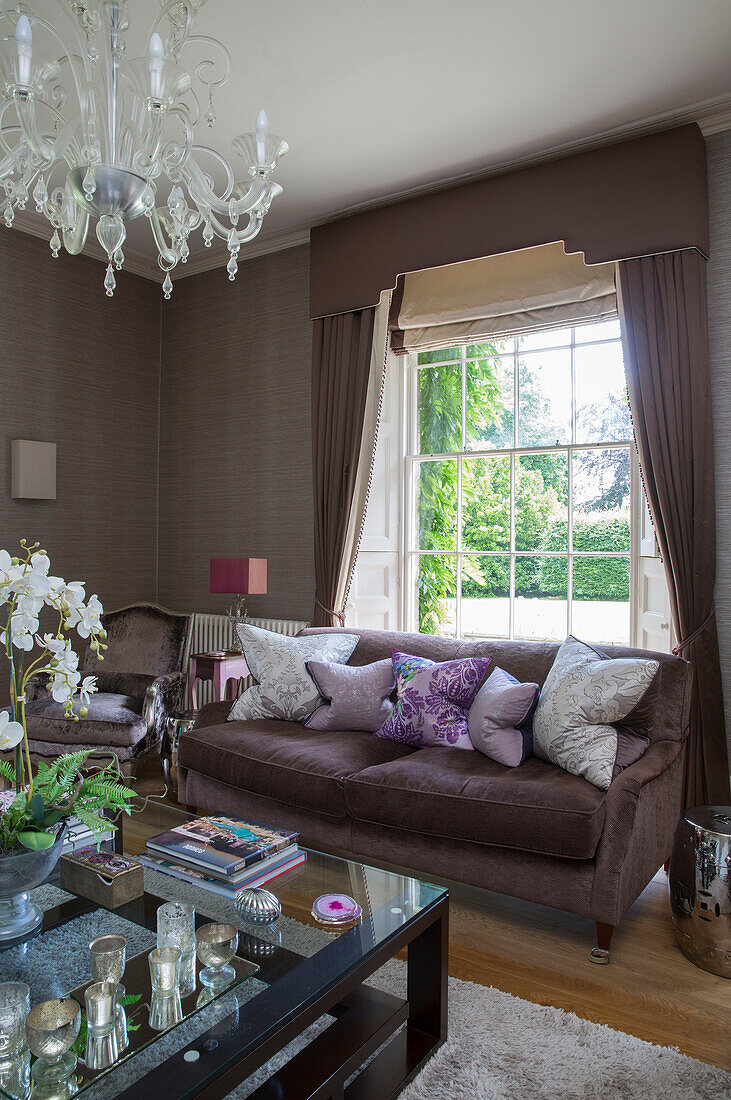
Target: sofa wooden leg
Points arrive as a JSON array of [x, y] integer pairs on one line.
[[600, 953]]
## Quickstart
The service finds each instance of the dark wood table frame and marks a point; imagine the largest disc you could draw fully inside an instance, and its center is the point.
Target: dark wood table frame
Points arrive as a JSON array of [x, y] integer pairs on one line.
[[364, 1017]]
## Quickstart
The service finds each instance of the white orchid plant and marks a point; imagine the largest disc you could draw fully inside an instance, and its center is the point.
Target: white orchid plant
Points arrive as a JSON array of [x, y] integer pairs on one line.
[[69, 785]]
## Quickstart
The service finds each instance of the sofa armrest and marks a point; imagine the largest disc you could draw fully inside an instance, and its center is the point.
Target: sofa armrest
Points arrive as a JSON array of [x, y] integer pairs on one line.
[[657, 759], [162, 698], [643, 805]]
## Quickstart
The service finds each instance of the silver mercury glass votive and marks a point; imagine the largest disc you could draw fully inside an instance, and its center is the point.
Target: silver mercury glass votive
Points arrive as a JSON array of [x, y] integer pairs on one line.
[[176, 928], [108, 958], [165, 969], [216, 945], [102, 1047], [14, 1008], [51, 1029]]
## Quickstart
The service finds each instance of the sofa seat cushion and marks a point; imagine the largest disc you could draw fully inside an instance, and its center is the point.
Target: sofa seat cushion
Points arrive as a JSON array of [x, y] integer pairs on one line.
[[466, 796], [113, 721], [284, 760]]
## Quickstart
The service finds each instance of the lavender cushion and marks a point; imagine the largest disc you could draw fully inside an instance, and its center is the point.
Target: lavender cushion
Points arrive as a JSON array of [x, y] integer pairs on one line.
[[500, 719], [357, 697], [433, 700]]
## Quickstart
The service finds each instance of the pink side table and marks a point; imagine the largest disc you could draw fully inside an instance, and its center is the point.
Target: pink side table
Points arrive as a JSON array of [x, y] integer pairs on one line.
[[220, 669]]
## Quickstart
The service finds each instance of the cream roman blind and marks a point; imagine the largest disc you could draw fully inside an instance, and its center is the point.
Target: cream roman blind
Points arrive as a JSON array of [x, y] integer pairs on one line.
[[510, 293]]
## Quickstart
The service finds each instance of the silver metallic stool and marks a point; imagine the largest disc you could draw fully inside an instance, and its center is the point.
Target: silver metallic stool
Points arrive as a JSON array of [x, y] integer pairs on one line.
[[175, 725], [699, 880]]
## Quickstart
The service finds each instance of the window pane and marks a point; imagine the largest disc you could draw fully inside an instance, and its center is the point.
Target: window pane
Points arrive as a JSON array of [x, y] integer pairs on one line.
[[441, 355], [544, 398], [599, 330], [436, 505], [600, 606], [549, 338], [602, 409], [601, 484], [440, 409], [490, 404], [540, 597], [486, 503], [485, 597], [436, 594], [541, 502], [490, 348]]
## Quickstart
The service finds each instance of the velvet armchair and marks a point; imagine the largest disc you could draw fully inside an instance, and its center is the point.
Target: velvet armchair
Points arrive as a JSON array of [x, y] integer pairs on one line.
[[140, 683]]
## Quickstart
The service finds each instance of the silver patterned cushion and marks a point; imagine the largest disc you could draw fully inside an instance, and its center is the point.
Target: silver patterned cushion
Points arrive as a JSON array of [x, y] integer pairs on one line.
[[584, 693], [285, 690]]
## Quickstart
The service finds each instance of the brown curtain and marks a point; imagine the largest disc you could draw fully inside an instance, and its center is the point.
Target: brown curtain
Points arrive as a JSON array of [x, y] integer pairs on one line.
[[341, 360], [665, 334]]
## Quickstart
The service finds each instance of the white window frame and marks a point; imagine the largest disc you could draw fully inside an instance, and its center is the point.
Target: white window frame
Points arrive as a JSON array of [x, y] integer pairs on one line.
[[410, 552]]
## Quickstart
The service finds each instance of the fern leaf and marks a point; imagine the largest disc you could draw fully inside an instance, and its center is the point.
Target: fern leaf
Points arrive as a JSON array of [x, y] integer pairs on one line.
[[115, 793], [91, 818], [7, 771]]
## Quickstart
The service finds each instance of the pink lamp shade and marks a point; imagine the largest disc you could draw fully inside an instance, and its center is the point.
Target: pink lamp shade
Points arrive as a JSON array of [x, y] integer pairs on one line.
[[244, 576]]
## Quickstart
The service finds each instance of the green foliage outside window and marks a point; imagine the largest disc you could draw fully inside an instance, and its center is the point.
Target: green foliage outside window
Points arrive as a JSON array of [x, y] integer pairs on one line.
[[541, 496]]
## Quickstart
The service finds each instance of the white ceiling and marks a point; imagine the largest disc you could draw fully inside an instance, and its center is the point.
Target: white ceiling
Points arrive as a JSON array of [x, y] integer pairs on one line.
[[377, 97]]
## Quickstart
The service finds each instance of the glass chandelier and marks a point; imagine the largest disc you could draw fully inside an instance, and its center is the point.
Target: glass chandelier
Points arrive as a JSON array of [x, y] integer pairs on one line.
[[91, 134]]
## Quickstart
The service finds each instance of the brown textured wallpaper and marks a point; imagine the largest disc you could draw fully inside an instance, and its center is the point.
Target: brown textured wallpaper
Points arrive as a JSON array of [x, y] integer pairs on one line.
[[82, 370], [235, 452]]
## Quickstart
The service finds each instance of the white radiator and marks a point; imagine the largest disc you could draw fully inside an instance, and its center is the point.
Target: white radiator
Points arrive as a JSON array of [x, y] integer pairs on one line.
[[216, 632]]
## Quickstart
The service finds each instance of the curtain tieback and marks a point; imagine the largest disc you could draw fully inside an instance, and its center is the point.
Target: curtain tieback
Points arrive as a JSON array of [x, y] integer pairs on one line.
[[340, 615], [678, 649]]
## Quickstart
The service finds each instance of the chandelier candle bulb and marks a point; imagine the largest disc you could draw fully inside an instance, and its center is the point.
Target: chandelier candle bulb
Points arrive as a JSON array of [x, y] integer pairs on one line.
[[24, 46], [156, 53], [262, 128]]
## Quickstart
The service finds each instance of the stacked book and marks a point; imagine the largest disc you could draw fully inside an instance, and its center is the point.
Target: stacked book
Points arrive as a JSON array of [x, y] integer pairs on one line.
[[223, 854], [79, 836]]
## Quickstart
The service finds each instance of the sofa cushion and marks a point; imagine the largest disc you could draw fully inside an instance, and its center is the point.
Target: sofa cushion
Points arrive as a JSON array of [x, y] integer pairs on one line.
[[433, 700], [585, 693], [285, 690], [357, 697], [284, 760], [466, 796], [112, 721], [531, 661], [500, 719]]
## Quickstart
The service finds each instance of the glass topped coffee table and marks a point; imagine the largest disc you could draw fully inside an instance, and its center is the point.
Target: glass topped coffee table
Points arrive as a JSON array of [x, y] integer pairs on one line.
[[305, 972]]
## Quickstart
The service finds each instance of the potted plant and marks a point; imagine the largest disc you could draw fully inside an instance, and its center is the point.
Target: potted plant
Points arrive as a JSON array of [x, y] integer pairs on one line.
[[34, 811]]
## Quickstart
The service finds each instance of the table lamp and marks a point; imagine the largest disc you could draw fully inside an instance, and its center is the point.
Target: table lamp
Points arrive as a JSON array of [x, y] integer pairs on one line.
[[240, 577]]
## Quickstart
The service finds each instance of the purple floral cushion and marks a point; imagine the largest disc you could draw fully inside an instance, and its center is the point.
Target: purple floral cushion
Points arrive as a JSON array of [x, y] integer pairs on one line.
[[433, 700]]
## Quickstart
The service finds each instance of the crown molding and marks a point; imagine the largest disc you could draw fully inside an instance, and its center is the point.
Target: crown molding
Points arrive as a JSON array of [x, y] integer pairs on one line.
[[712, 115]]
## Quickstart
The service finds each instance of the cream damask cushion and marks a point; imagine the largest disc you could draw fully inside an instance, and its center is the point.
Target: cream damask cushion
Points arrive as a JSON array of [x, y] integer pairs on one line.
[[285, 689], [585, 693]]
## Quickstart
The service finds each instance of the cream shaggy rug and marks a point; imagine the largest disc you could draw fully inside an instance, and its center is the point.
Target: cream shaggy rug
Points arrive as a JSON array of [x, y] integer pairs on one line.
[[500, 1047]]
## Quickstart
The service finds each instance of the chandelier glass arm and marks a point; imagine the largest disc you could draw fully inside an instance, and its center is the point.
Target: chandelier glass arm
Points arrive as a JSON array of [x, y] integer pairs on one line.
[[74, 238], [242, 236], [167, 255], [205, 197]]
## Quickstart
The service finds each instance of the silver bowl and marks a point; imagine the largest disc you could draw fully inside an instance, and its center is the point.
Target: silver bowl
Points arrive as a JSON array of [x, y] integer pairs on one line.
[[257, 906]]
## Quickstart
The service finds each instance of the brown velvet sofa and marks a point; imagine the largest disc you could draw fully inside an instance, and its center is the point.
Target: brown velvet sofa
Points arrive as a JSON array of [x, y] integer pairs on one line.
[[534, 832]]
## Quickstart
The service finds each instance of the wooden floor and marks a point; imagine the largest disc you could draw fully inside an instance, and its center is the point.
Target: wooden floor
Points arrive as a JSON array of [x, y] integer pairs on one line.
[[649, 989]]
